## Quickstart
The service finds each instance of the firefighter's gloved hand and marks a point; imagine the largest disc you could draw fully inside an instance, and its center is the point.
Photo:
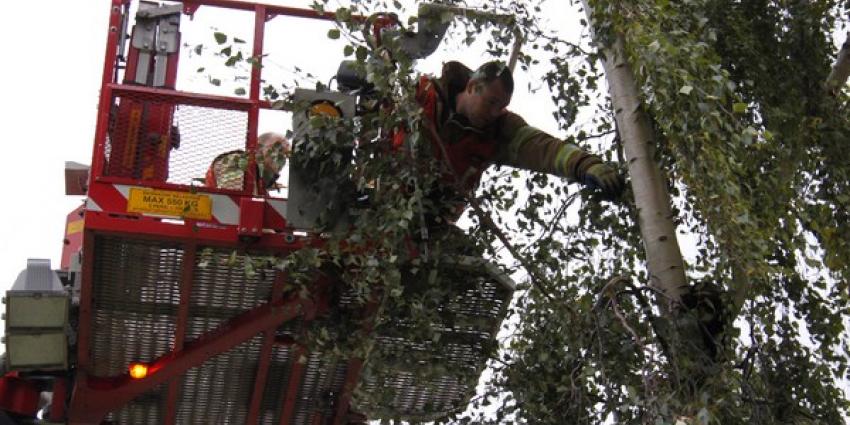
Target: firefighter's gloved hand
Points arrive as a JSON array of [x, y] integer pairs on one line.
[[605, 178]]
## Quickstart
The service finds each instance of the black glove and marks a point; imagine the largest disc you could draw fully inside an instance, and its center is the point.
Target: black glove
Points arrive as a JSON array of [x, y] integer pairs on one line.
[[605, 178]]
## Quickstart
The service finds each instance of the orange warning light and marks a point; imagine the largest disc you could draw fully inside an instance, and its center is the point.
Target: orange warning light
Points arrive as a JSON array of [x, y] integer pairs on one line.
[[324, 108], [138, 370]]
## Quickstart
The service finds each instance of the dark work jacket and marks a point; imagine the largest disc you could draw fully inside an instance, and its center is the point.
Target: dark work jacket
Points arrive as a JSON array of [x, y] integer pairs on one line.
[[509, 140]]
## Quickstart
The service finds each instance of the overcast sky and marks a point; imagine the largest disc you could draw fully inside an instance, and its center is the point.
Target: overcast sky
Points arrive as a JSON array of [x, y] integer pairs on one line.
[[52, 63]]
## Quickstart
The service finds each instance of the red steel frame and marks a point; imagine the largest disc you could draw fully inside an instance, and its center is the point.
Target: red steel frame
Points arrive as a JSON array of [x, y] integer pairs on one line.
[[92, 396], [187, 274]]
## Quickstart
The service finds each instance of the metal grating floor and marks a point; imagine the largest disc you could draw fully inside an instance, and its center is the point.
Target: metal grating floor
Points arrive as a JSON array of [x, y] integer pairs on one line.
[[219, 392], [136, 295], [467, 320], [134, 304], [135, 300]]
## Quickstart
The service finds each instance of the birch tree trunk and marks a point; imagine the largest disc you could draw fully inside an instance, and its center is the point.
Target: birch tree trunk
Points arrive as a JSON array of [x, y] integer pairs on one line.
[[841, 69], [664, 258]]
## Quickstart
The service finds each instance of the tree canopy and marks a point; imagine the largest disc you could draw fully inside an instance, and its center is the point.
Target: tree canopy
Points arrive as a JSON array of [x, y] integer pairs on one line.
[[749, 139]]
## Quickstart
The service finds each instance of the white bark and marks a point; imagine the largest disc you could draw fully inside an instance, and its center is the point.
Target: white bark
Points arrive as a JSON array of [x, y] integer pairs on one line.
[[664, 258], [841, 69]]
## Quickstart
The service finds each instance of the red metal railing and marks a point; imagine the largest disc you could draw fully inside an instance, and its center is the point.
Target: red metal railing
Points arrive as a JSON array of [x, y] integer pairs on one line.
[[207, 317], [95, 396]]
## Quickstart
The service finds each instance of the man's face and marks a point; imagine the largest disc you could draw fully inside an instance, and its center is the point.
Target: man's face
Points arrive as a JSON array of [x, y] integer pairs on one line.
[[272, 156], [483, 103], [273, 152]]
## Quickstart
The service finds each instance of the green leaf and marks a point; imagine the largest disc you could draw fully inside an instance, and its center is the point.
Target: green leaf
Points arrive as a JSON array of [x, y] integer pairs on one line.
[[220, 38], [739, 107], [686, 90], [768, 135], [238, 40], [333, 33], [249, 267], [240, 91], [348, 50], [231, 261], [361, 53], [343, 14], [396, 292]]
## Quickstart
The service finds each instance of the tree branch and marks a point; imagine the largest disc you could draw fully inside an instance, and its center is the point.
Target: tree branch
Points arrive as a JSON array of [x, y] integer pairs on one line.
[[536, 277], [550, 227], [598, 135]]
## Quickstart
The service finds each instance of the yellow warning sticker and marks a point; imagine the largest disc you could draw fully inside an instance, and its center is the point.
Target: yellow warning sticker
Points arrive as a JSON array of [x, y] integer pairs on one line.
[[74, 227], [169, 203]]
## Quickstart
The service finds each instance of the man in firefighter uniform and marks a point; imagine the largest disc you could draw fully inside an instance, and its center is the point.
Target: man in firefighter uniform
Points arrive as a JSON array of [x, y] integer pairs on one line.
[[466, 120], [228, 169]]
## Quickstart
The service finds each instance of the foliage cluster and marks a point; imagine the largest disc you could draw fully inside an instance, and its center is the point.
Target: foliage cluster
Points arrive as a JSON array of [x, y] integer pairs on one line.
[[751, 145], [743, 127]]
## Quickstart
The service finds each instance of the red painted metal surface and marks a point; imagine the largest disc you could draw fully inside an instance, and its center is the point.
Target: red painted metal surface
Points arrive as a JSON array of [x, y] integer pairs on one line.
[[151, 228], [265, 357], [355, 366], [107, 197], [73, 241], [254, 91], [109, 64], [190, 6], [101, 395], [132, 64], [18, 395], [182, 97], [296, 373], [93, 397], [251, 217], [84, 324], [186, 278], [57, 405], [143, 149], [352, 376]]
